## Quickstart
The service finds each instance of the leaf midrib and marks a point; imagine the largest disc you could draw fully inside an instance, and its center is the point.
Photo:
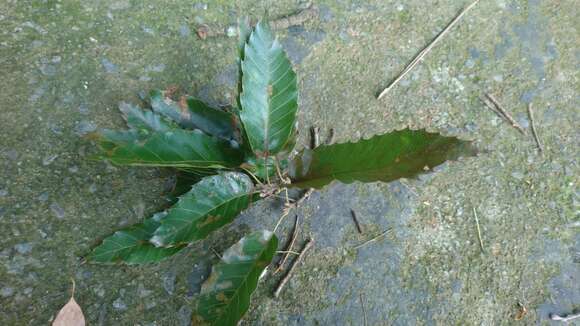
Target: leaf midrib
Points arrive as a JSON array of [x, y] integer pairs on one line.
[[245, 279], [190, 222]]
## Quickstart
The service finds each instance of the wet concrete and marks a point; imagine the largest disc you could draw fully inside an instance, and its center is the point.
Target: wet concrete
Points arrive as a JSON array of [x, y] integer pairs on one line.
[[65, 67]]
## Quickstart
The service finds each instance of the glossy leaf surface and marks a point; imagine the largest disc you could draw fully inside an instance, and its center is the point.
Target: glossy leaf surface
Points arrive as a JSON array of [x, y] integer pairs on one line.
[[264, 168], [140, 119], [174, 148], [399, 154], [225, 296], [269, 96], [132, 246], [210, 204], [197, 115]]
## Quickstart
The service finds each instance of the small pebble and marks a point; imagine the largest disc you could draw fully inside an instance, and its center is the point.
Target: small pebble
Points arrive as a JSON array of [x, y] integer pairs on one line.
[[184, 30], [23, 248], [57, 210], [83, 109], [110, 67], [11, 154], [169, 282], [93, 188], [85, 127], [6, 292], [49, 159], [48, 69], [118, 304], [200, 6], [518, 175], [232, 31]]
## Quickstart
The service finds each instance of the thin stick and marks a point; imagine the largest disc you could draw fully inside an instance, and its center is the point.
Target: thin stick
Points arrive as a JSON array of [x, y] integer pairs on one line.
[[279, 172], [504, 113], [295, 204], [290, 246], [314, 137], [285, 212], [426, 50], [356, 223], [287, 252], [280, 287], [330, 137], [362, 305], [304, 196], [534, 131], [564, 319], [253, 176], [298, 18], [216, 253], [373, 239], [478, 230], [266, 168]]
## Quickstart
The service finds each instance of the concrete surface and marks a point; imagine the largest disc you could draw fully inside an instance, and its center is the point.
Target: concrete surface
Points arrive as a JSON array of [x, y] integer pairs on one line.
[[65, 66]]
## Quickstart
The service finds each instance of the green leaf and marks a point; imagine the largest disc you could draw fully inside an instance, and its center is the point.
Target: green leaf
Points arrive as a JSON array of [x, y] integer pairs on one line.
[[225, 295], [264, 168], [183, 181], [132, 246], [197, 115], [210, 204], [178, 148], [400, 154], [140, 119], [269, 93]]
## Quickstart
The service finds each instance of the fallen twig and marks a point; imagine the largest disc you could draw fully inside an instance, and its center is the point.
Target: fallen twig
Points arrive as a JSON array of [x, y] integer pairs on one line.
[[356, 223], [215, 253], [289, 206], [478, 230], [287, 252], [564, 319], [289, 247], [373, 239], [298, 18], [534, 131], [362, 305], [280, 287], [330, 137], [494, 105], [314, 137], [426, 50], [522, 312]]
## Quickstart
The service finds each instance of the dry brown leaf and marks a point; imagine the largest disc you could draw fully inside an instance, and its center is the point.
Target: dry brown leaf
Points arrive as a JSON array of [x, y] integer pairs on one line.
[[71, 314]]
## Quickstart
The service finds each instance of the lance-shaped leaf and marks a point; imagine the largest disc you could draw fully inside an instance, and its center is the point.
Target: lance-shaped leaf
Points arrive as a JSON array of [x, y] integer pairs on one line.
[[399, 154], [194, 114], [185, 149], [210, 204], [269, 93], [225, 296], [140, 119], [132, 246]]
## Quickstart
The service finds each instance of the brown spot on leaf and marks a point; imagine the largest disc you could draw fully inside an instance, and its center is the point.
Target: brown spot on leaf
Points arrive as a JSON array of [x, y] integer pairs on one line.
[[221, 297], [209, 220], [170, 91], [270, 90], [185, 114]]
